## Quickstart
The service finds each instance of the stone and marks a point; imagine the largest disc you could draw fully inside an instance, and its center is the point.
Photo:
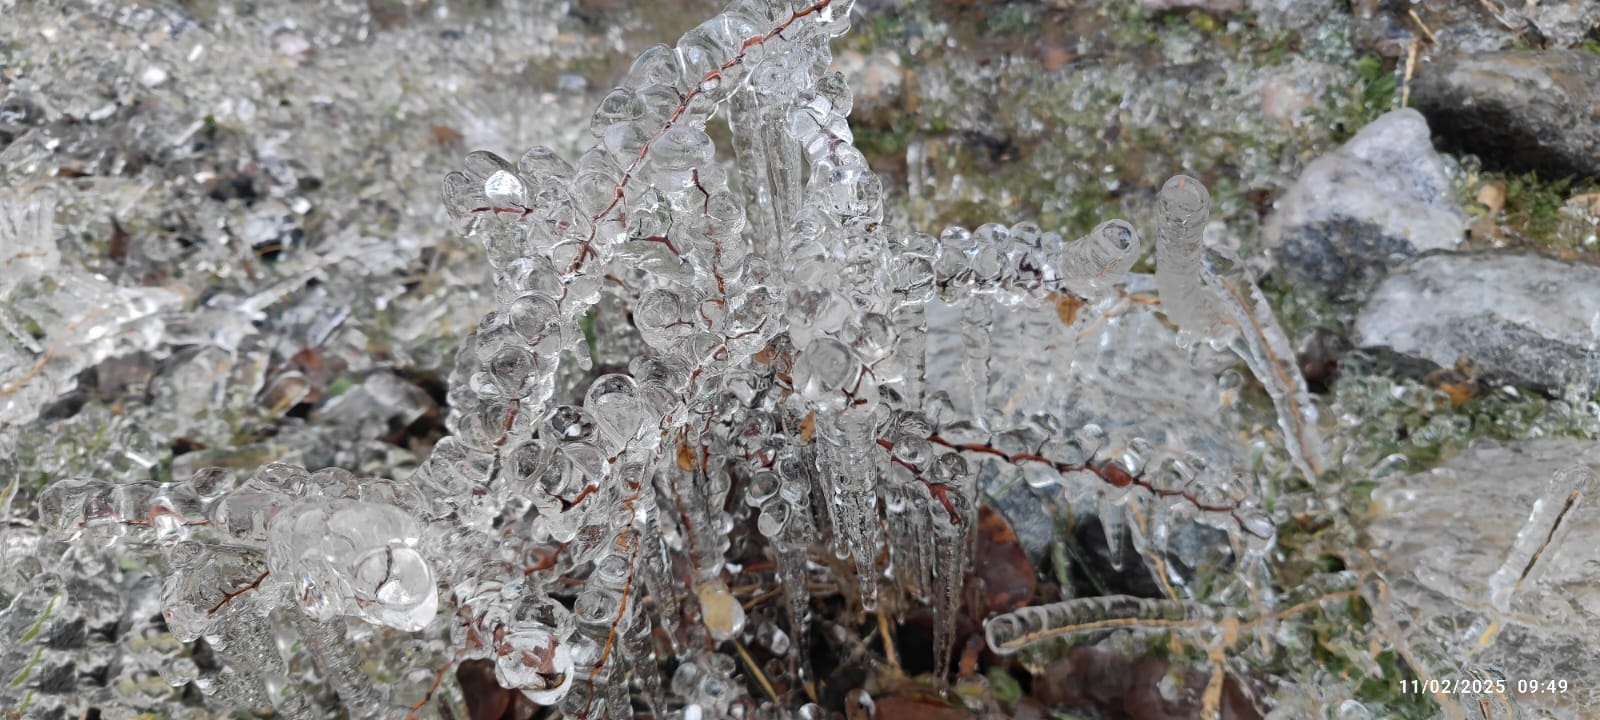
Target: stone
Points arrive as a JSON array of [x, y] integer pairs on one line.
[[1440, 536], [1517, 318], [1383, 197], [1520, 110], [1291, 97], [1389, 27]]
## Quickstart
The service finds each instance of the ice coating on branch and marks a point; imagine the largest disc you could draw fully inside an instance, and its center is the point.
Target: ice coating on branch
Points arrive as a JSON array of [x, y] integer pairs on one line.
[[699, 372], [89, 318], [1190, 298], [353, 558], [1228, 310], [27, 237], [1010, 632], [1547, 525], [1100, 259]]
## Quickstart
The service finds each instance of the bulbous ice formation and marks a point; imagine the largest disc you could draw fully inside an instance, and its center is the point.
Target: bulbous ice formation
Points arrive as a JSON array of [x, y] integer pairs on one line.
[[353, 558]]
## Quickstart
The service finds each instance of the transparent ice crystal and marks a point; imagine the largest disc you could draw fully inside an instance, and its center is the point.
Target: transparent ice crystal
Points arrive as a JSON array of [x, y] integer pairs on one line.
[[697, 360]]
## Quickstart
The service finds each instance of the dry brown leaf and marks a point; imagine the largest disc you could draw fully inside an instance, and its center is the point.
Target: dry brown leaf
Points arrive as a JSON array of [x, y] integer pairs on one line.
[[896, 707], [1067, 307], [1492, 195], [1008, 576]]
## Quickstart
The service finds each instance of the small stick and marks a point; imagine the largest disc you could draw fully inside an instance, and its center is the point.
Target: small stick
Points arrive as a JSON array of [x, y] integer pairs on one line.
[[438, 678], [761, 677], [1423, 27], [1411, 71], [888, 641], [1154, 554], [758, 600]]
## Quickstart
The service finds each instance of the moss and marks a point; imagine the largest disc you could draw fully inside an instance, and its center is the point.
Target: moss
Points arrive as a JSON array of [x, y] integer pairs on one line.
[[1205, 23], [1006, 689], [1373, 94], [874, 32], [339, 387], [1012, 20], [878, 142], [1533, 210]]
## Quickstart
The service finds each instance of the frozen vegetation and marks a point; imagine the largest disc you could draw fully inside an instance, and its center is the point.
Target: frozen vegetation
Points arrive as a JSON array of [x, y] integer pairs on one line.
[[726, 424]]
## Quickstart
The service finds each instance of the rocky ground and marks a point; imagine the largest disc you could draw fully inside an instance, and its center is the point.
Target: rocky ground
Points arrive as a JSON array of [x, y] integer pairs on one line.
[[244, 256]]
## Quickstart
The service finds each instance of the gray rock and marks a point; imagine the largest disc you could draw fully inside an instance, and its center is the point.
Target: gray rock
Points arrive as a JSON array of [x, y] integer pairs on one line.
[[1440, 536], [1521, 110], [1388, 27], [1380, 199], [1029, 512], [1524, 319]]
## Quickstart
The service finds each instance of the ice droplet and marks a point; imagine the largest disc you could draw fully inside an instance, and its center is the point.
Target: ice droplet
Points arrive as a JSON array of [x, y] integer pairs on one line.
[[504, 189]]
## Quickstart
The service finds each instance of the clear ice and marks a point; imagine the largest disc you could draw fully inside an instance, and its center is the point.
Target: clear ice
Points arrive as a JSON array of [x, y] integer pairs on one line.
[[702, 352]]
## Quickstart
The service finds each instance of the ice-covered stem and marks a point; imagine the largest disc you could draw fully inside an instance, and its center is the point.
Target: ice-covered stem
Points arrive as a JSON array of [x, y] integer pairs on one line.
[[339, 666], [1546, 527], [1228, 310], [1213, 627], [977, 344], [1426, 658], [1548, 523], [1009, 632], [1250, 519]]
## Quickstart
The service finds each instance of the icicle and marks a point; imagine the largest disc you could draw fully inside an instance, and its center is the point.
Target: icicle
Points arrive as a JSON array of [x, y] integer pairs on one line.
[[854, 501], [1111, 505], [780, 522], [912, 323], [769, 161], [792, 529], [745, 121], [240, 689], [953, 515], [977, 347]]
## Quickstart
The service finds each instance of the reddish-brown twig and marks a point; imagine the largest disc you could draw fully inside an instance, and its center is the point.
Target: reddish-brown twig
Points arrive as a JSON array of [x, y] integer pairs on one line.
[[1108, 472], [710, 80], [228, 597]]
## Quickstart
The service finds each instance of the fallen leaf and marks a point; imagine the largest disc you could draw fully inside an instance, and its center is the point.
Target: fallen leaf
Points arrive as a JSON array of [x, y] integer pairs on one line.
[[1008, 576], [916, 708], [445, 135], [486, 700], [1097, 679], [1067, 307], [1492, 196]]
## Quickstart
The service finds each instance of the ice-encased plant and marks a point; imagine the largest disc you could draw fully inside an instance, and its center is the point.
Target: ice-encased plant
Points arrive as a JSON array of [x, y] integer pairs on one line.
[[770, 391]]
